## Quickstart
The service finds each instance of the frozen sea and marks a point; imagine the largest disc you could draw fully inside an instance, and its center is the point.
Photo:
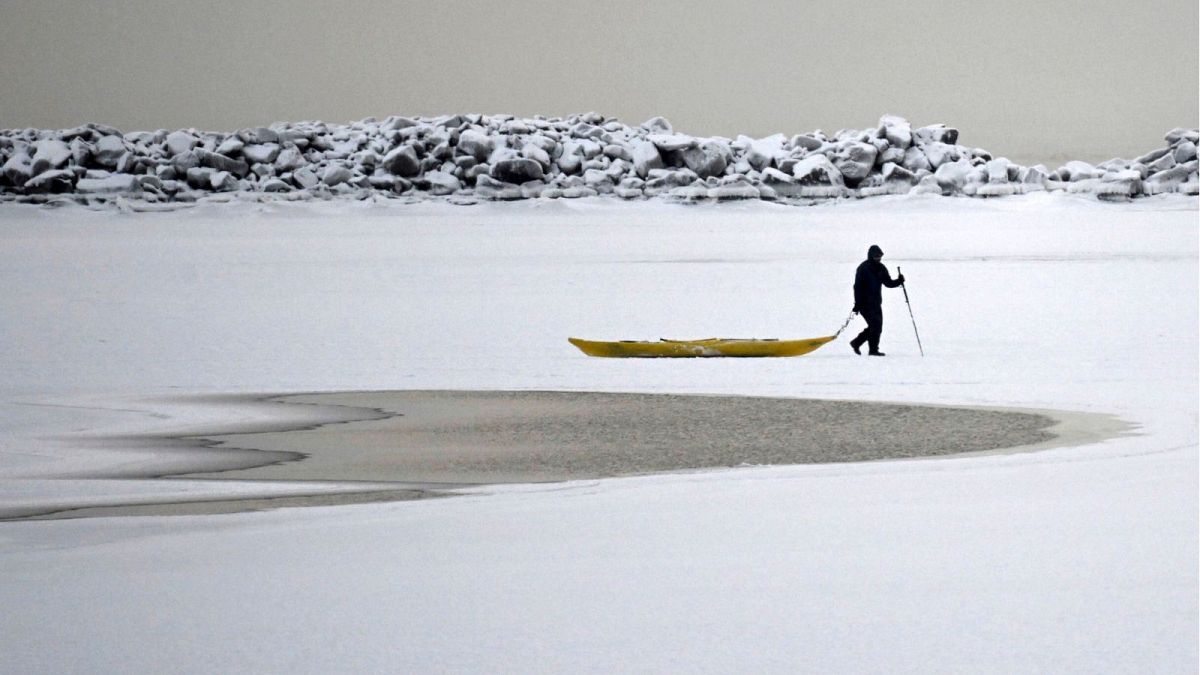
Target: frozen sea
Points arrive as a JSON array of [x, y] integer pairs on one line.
[[1075, 559]]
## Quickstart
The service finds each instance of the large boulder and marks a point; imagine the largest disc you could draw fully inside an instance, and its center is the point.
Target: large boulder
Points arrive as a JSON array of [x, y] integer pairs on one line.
[[221, 162], [854, 160], [671, 142], [261, 153], [289, 159], [1184, 152], [490, 188], [657, 125], [109, 150], [896, 130], [1182, 134], [1171, 180], [230, 146], [516, 170], [49, 153], [118, 183], [807, 142], [180, 141], [570, 159], [953, 176], [185, 161], [997, 171], [475, 144], [18, 169], [537, 154], [81, 151], [708, 158], [441, 183], [1077, 171], [54, 180], [762, 153], [646, 158], [306, 177], [935, 133], [258, 135], [915, 160], [402, 161], [336, 174], [939, 153], [735, 188], [817, 170]]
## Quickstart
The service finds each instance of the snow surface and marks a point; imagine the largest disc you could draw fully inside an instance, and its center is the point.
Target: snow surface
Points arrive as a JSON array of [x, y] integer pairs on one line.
[[1077, 559]]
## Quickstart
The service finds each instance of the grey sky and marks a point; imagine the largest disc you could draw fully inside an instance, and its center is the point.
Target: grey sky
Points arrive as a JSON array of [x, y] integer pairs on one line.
[[1030, 80]]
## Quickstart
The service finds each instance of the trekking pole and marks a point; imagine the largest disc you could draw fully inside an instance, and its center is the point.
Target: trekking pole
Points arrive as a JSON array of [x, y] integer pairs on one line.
[[910, 313]]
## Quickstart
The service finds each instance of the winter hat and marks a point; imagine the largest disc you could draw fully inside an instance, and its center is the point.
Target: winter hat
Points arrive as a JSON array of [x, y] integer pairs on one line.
[[874, 251]]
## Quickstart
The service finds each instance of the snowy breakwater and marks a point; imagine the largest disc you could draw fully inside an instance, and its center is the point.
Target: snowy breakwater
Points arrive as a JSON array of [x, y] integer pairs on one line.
[[467, 158]]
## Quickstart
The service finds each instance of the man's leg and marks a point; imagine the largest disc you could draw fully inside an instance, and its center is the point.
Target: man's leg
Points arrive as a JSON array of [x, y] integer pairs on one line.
[[874, 317], [862, 337]]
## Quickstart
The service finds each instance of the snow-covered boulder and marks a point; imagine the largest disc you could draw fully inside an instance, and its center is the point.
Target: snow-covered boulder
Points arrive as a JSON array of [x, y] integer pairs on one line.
[[261, 153], [817, 170], [953, 176], [1171, 180], [289, 159], [230, 146], [708, 158], [490, 188], [516, 170], [216, 160], [115, 183], [671, 142], [440, 183], [646, 158], [275, 185], [259, 136], [736, 187], [1077, 171], [916, 160], [336, 174], [305, 177], [536, 153], [938, 153], [18, 168], [657, 125], [109, 150], [896, 130], [935, 133], [475, 144], [402, 161], [54, 180], [180, 141], [1184, 152], [807, 142], [1181, 134], [49, 153], [854, 160]]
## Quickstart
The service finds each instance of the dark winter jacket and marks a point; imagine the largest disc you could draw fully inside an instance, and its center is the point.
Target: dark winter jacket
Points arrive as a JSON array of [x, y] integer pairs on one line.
[[869, 278]]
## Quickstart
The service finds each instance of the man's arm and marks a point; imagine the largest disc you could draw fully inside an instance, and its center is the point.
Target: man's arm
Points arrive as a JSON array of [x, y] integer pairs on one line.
[[888, 280]]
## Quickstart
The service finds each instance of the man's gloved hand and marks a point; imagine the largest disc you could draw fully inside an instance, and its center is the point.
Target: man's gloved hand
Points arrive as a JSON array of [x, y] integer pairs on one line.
[[900, 278]]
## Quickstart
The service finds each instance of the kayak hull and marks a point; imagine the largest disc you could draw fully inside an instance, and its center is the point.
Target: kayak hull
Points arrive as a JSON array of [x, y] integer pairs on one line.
[[711, 347]]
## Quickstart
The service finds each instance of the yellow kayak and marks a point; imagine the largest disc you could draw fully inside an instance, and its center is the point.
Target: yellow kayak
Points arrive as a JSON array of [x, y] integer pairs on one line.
[[695, 348]]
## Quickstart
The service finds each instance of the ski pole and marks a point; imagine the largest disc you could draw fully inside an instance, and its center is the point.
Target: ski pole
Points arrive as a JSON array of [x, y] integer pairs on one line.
[[910, 313]]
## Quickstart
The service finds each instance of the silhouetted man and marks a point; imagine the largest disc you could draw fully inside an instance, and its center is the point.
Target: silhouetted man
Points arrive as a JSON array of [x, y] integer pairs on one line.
[[868, 299]]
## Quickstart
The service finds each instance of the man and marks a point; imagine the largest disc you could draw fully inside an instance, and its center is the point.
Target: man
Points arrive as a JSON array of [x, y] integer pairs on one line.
[[868, 299]]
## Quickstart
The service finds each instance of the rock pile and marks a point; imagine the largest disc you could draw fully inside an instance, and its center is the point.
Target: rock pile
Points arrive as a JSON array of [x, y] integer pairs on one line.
[[499, 157]]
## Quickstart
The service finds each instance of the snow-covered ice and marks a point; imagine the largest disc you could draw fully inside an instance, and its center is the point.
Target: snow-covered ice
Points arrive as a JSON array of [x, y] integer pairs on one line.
[[1079, 559]]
